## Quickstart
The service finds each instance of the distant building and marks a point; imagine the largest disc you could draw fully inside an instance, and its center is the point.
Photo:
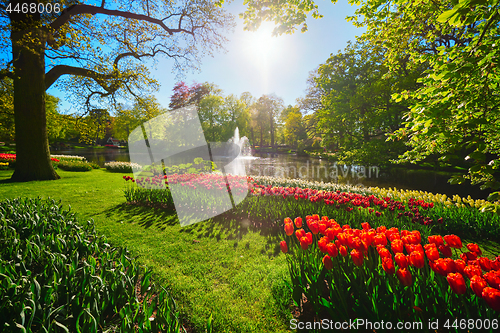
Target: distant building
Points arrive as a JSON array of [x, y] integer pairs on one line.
[[114, 142]]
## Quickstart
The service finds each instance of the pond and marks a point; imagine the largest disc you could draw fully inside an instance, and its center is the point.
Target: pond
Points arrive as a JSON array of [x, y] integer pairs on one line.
[[314, 169]]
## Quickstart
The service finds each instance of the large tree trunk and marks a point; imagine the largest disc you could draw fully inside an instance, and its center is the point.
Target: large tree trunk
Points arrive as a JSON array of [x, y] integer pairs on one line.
[[32, 145]]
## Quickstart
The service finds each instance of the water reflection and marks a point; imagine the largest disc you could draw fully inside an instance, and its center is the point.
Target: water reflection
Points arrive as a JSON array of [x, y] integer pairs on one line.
[[312, 169]]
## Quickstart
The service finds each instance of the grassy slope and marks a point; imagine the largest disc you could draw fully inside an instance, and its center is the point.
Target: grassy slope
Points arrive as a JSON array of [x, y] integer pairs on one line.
[[211, 267]]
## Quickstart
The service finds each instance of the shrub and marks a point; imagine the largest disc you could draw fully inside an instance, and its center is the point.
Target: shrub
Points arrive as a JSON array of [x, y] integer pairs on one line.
[[74, 166], [94, 165], [125, 167], [56, 274]]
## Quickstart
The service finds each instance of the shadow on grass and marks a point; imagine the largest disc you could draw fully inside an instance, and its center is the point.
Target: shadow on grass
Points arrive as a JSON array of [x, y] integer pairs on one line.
[[231, 225]]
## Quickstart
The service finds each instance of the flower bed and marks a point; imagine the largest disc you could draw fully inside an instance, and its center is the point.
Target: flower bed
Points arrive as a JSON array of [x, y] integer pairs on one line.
[[348, 273], [124, 167], [57, 275], [353, 208]]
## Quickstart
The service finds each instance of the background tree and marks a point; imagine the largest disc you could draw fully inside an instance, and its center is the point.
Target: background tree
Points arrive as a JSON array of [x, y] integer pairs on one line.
[[454, 115], [294, 128], [99, 47], [356, 112], [265, 113]]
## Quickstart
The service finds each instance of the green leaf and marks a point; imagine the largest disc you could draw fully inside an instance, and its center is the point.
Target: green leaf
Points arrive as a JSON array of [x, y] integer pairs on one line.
[[494, 196]]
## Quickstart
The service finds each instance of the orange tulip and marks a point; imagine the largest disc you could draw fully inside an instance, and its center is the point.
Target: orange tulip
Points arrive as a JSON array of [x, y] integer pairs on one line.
[[309, 237], [327, 261], [477, 285], [357, 257], [404, 277], [288, 220], [366, 226], [289, 229], [298, 222], [313, 225], [457, 283], [284, 247]]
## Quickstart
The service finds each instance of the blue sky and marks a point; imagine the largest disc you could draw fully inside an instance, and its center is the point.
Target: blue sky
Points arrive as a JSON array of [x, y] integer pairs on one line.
[[261, 64]]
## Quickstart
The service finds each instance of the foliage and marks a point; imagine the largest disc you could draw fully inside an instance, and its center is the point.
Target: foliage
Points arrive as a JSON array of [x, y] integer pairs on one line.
[[74, 166], [294, 128], [367, 285], [356, 110], [126, 120], [184, 95], [453, 114], [57, 274]]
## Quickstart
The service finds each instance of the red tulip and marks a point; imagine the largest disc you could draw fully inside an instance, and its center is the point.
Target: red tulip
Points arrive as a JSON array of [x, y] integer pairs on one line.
[[304, 243], [327, 261], [343, 251], [460, 266], [357, 257], [404, 277], [466, 256], [474, 248], [383, 252], [493, 279], [477, 285], [457, 283], [397, 246], [437, 239], [332, 250], [388, 265], [417, 259], [380, 239], [300, 233], [484, 263], [298, 222], [323, 243], [443, 266], [492, 297], [445, 250], [288, 220], [289, 229], [284, 247], [472, 270], [453, 241], [309, 237], [416, 234], [401, 260], [381, 230], [313, 225], [365, 226], [432, 252]]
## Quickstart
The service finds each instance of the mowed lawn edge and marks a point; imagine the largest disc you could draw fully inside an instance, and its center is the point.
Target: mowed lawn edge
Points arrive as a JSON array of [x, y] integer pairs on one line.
[[213, 267]]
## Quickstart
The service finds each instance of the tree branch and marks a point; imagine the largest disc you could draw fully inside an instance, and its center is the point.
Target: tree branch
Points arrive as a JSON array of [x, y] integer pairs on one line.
[[6, 73], [88, 9], [60, 70]]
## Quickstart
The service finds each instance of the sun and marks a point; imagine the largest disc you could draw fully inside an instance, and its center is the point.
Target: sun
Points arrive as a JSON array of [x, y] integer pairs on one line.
[[261, 48]]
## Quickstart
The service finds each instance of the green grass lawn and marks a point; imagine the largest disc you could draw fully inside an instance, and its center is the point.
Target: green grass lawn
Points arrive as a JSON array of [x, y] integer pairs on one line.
[[228, 267], [222, 267]]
